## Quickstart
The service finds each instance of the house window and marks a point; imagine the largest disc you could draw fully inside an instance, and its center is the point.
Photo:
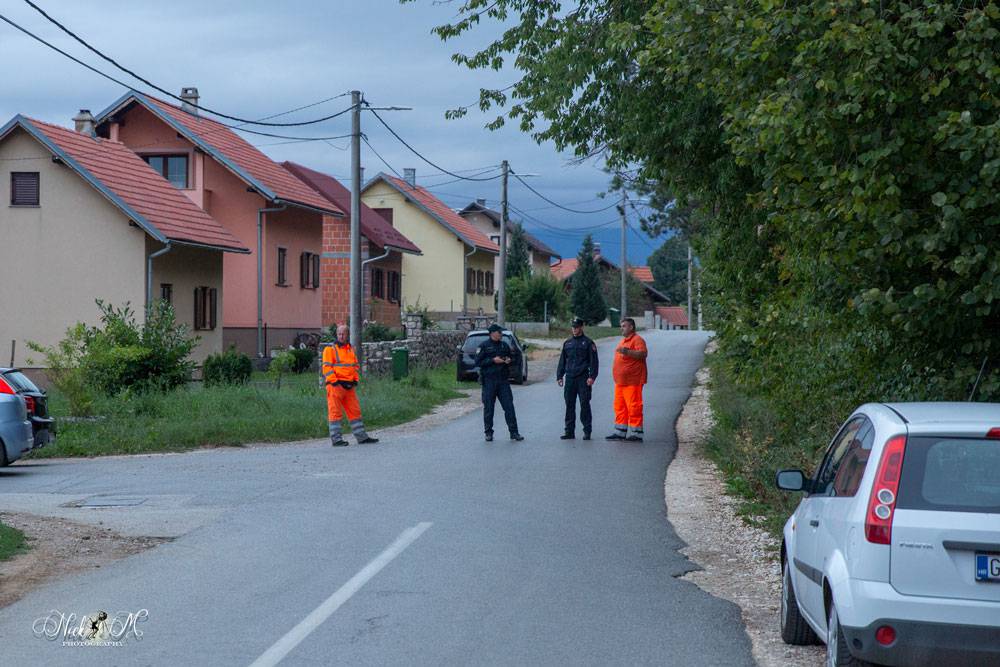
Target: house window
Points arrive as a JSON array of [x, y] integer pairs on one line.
[[378, 286], [480, 282], [282, 261], [470, 281], [205, 308], [489, 282], [174, 168], [394, 286], [167, 292], [308, 270], [385, 213], [24, 189], [495, 238]]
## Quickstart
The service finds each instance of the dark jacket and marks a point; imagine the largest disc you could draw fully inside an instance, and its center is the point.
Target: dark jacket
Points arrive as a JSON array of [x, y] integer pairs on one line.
[[578, 358], [488, 370]]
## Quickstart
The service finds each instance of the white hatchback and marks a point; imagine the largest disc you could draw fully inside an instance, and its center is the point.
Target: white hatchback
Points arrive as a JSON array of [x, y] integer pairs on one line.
[[893, 555]]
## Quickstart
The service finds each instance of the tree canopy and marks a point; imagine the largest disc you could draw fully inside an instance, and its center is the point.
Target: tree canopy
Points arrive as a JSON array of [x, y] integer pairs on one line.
[[587, 299]]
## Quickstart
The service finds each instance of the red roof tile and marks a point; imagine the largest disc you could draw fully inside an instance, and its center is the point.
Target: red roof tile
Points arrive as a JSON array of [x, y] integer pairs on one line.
[[642, 273], [447, 217], [565, 268], [674, 315], [244, 155], [145, 191], [374, 226]]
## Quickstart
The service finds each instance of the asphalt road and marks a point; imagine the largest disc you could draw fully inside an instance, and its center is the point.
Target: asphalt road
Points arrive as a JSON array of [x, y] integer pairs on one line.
[[431, 548]]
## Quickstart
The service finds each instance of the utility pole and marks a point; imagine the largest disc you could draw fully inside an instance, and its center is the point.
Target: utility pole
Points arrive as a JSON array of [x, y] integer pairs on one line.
[[690, 314], [502, 269], [624, 291], [699, 303], [355, 324]]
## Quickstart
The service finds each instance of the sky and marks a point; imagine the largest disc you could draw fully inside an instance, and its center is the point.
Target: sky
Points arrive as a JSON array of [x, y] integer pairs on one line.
[[255, 58]]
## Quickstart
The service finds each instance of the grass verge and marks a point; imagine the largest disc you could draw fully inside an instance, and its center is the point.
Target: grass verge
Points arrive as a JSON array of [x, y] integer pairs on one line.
[[198, 416], [12, 542]]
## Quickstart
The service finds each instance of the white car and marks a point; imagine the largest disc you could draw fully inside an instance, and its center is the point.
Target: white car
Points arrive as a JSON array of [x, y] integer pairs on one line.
[[893, 555]]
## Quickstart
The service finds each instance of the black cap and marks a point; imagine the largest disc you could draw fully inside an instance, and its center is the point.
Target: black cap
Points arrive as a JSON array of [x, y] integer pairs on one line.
[[495, 327], [577, 322]]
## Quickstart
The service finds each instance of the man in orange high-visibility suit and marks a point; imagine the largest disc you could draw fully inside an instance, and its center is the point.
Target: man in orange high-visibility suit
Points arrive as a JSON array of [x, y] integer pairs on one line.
[[341, 374], [629, 371]]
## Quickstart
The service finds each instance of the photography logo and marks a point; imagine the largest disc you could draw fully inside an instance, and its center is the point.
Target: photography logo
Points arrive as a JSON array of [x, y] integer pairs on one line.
[[96, 629]]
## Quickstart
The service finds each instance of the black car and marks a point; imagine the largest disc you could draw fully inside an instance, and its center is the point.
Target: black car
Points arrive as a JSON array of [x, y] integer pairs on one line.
[[42, 425], [467, 356]]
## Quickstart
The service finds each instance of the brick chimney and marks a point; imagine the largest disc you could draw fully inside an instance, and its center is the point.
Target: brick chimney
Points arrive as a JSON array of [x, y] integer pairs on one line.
[[481, 202], [84, 122], [190, 97]]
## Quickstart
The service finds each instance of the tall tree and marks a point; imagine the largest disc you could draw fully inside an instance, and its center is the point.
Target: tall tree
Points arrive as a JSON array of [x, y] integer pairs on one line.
[[587, 300], [669, 266], [518, 260]]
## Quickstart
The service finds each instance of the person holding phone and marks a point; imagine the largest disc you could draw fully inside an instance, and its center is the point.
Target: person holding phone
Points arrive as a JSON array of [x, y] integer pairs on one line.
[[493, 361]]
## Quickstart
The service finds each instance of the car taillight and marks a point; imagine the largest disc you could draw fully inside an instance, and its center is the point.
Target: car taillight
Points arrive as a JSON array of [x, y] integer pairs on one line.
[[5, 388], [882, 504], [29, 401], [994, 433], [885, 635]]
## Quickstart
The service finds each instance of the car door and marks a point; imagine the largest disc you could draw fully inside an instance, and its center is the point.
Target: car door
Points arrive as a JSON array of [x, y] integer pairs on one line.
[[809, 557]]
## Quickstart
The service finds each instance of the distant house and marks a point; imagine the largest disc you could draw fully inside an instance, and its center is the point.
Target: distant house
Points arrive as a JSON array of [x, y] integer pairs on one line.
[[455, 274], [672, 317], [84, 218], [270, 211], [382, 251], [643, 274], [565, 269], [487, 220]]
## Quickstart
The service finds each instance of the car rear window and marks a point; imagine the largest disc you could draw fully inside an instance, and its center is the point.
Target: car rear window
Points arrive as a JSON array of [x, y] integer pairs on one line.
[[20, 381], [473, 342], [951, 475]]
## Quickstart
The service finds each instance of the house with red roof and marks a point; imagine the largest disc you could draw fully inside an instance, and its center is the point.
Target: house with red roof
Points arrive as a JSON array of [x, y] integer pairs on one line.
[[673, 317], [382, 250], [610, 272], [540, 255], [85, 218], [455, 273], [273, 292]]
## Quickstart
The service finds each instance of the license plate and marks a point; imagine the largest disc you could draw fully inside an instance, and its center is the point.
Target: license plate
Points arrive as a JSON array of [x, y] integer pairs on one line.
[[987, 567]]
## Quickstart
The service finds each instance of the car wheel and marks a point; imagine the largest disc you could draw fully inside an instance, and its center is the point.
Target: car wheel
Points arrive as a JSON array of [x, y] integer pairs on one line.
[[3, 455], [794, 628], [837, 652]]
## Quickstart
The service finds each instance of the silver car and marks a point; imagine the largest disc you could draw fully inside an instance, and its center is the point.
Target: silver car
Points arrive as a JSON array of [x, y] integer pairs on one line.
[[893, 555], [16, 436]]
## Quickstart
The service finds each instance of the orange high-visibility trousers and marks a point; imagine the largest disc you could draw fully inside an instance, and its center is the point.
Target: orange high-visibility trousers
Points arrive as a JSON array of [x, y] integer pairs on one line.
[[340, 402], [628, 409]]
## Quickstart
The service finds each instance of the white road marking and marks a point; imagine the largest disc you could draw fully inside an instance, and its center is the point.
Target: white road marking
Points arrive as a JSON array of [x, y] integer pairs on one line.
[[294, 637]]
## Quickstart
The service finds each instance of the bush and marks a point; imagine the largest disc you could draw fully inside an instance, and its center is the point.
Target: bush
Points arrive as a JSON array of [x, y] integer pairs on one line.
[[281, 364], [63, 364], [527, 298], [376, 332], [303, 359], [230, 367]]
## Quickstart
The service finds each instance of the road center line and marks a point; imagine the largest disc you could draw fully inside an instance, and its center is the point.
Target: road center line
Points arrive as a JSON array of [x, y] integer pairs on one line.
[[294, 637]]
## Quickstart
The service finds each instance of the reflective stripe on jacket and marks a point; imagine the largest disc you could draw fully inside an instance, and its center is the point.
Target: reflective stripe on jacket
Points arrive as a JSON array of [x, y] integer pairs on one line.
[[340, 364]]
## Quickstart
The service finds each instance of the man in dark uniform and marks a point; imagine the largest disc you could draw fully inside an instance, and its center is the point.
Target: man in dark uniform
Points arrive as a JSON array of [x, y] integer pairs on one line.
[[576, 373], [493, 361]]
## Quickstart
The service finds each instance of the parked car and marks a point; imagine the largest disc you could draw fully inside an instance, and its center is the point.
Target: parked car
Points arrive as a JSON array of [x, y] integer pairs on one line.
[[893, 555], [43, 426], [16, 436], [466, 368]]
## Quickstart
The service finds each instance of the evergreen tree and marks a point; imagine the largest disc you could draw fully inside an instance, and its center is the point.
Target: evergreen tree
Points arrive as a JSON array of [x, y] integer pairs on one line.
[[587, 300], [669, 266], [518, 264]]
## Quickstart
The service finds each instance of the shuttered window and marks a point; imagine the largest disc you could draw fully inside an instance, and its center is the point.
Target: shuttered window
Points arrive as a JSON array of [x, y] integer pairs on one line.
[[282, 262], [394, 285], [24, 188], [205, 308], [378, 284], [167, 292], [470, 281], [480, 282], [309, 270]]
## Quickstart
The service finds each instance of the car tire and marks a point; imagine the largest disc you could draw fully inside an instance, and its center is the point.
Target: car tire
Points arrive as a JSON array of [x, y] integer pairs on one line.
[[794, 628], [837, 652], [3, 455]]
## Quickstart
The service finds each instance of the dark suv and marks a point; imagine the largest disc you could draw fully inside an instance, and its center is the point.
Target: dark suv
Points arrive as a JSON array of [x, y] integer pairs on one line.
[[42, 425], [467, 356]]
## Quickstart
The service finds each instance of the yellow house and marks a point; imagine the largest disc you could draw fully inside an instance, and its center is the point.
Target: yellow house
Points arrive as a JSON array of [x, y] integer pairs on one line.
[[455, 275]]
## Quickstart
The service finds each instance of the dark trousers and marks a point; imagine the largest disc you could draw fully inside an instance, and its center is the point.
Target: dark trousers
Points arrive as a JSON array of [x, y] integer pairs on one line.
[[573, 388], [492, 390]]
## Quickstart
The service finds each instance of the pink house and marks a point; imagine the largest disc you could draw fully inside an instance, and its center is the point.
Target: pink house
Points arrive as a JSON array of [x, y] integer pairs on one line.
[[257, 200]]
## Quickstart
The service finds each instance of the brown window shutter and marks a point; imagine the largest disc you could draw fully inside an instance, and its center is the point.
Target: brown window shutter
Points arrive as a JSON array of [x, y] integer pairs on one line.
[[315, 270], [304, 270], [199, 309], [212, 310], [24, 188]]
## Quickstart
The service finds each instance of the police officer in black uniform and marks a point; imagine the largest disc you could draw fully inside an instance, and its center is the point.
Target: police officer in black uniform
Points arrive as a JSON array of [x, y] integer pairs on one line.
[[576, 373], [494, 360]]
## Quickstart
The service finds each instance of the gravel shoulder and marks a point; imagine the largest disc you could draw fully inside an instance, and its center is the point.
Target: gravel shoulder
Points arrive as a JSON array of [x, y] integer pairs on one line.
[[743, 568]]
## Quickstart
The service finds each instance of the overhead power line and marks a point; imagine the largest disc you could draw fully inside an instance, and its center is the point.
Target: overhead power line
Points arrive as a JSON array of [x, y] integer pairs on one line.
[[419, 155], [557, 204], [176, 97]]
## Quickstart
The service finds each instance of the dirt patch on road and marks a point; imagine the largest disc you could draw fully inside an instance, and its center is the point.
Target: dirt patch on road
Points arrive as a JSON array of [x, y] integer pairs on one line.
[[58, 548], [739, 561]]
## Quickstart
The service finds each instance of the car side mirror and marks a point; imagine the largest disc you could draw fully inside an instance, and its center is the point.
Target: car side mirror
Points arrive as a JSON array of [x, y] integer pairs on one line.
[[792, 480]]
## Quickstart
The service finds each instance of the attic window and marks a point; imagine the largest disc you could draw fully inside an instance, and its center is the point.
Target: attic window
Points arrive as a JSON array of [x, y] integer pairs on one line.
[[24, 189], [174, 168]]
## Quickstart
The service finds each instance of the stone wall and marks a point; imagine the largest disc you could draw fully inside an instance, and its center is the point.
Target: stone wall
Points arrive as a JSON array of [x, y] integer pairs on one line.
[[428, 349]]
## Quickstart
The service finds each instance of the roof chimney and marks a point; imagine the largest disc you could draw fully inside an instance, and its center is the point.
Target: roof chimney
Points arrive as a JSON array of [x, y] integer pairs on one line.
[[481, 202], [362, 176], [84, 122], [597, 248], [410, 176], [189, 99]]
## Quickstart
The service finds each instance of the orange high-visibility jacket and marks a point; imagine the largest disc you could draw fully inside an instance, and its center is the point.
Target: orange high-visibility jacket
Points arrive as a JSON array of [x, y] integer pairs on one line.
[[340, 364]]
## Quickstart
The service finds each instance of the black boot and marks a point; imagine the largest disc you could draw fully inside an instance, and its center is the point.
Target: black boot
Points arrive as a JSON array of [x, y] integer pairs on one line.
[[567, 436]]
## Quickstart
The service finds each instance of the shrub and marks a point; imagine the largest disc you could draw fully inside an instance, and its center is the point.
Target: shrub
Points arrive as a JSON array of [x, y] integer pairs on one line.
[[230, 367], [281, 364], [426, 321], [63, 368], [376, 332], [303, 359], [530, 297]]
